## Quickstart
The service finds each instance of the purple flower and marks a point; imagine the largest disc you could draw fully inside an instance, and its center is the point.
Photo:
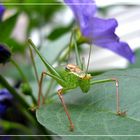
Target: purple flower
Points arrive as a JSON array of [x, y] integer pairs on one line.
[[4, 54], [2, 9], [5, 99], [100, 32]]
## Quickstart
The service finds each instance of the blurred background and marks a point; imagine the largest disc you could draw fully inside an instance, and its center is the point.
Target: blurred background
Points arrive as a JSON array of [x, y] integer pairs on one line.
[[45, 25], [48, 23]]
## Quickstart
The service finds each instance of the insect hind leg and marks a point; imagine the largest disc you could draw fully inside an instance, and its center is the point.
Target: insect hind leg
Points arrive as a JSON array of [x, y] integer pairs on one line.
[[65, 108], [118, 111], [118, 98], [40, 90]]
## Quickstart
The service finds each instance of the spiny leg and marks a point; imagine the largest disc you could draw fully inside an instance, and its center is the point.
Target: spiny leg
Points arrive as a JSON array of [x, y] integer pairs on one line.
[[40, 89], [118, 98], [65, 108], [118, 111]]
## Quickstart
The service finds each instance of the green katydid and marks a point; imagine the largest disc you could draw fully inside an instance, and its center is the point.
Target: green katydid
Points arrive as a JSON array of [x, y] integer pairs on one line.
[[71, 77]]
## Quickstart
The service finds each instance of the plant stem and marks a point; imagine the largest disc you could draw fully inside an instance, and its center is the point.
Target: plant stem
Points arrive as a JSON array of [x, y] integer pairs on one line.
[[23, 106], [13, 91], [19, 70], [23, 77], [13, 125]]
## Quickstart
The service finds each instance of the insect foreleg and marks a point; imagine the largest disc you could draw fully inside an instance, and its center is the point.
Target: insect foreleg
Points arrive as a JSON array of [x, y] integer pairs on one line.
[[40, 89], [40, 86], [117, 93], [65, 108], [34, 65]]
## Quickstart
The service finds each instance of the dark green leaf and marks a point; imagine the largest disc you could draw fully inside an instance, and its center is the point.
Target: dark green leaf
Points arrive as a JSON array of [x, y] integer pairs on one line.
[[14, 45], [58, 32], [7, 27], [95, 113]]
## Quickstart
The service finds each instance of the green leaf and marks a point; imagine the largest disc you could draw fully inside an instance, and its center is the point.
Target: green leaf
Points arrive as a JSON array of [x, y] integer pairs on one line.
[[95, 113], [14, 45], [7, 126], [7, 27], [59, 31]]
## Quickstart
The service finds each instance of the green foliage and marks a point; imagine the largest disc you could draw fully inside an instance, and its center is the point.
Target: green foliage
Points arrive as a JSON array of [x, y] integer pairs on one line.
[[59, 31], [6, 27], [92, 113], [40, 15], [95, 113], [26, 89]]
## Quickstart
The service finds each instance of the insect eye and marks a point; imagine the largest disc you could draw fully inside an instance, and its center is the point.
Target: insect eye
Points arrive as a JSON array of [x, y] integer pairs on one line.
[[67, 69]]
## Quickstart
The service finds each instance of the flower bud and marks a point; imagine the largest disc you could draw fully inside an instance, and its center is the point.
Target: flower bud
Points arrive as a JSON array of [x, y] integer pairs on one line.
[[26, 89], [5, 54]]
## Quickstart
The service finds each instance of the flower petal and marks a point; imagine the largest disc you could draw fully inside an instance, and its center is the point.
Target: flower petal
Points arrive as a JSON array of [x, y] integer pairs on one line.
[[120, 48], [5, 99], [99, 27], [2, 9], [102, 33], [3, 108], [83, 10], [5, 95]]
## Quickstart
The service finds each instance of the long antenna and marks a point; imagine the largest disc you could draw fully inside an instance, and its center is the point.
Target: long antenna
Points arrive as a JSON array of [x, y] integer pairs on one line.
[[89, 58], [70, 46], [78, 60]]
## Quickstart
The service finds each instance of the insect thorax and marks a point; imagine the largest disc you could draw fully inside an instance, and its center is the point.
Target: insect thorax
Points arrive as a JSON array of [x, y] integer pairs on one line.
[[76, 77]]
